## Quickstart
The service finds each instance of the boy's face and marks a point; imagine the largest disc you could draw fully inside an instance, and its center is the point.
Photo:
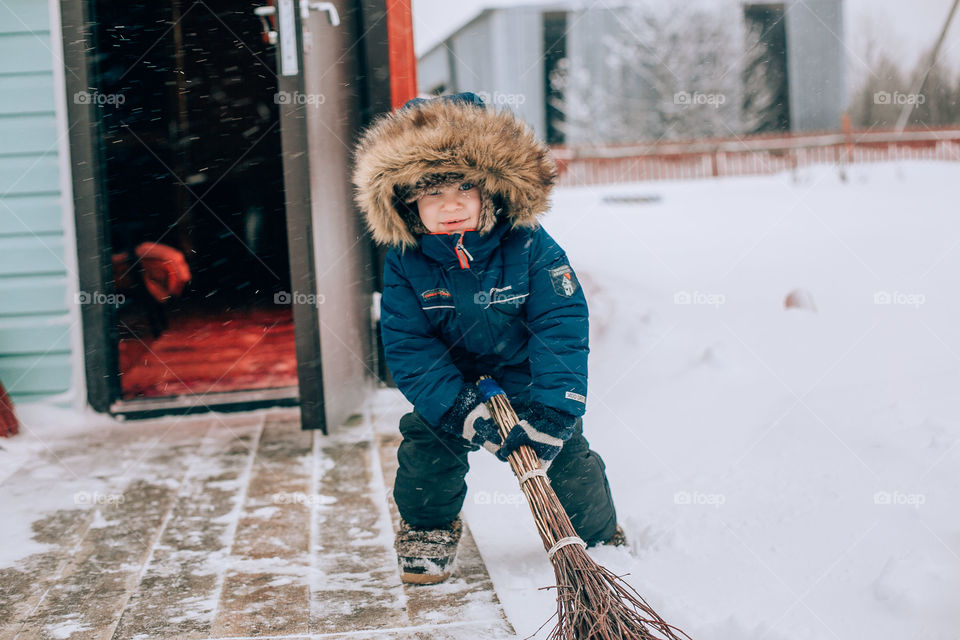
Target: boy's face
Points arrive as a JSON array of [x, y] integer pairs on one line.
[[455, 207]]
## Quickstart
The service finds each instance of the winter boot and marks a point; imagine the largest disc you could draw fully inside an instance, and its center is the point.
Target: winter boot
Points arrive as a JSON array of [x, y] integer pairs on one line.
[[426, 555], [618, 539]]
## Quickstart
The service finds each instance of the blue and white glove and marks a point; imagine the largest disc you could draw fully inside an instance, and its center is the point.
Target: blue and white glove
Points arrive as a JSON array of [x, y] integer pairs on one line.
[[470, 419], [542, 428]]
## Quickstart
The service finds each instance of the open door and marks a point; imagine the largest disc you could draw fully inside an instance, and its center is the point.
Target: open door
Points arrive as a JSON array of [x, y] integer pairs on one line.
[[320, 109], [233, 155]]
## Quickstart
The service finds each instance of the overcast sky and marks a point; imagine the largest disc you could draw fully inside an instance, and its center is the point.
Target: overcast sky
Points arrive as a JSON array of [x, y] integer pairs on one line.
[[908, 25]]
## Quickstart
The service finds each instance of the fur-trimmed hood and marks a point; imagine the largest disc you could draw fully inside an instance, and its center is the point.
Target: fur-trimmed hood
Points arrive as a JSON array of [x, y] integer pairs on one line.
[[490, 148]]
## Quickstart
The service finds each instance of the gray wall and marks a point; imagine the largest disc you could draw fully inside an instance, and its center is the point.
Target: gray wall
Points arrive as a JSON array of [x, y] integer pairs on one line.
[[472, 53], [433, 70], [517, 61], [498, 55], [816, 64]]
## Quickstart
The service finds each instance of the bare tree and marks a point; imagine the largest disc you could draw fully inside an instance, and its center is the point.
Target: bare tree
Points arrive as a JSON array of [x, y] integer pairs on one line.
[[878, 100], [883, 85], [657, 73], [939, 104], [874, 103]]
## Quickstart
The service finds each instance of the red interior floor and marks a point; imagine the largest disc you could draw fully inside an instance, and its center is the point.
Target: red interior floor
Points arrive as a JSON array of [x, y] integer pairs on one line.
[[211, 351]]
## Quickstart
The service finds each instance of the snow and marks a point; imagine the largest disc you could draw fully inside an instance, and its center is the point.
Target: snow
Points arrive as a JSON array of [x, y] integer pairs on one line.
[[67, 629], [781, 474], [38, 420]]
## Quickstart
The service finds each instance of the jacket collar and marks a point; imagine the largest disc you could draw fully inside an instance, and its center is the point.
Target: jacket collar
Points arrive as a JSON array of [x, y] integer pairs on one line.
[[463, 249]]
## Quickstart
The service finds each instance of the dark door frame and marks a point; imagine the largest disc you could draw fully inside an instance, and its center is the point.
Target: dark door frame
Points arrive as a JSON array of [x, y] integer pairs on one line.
[[303, 275], [101, 361]]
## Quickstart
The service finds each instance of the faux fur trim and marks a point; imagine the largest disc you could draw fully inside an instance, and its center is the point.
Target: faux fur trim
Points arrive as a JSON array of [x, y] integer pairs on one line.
[[491, 148]]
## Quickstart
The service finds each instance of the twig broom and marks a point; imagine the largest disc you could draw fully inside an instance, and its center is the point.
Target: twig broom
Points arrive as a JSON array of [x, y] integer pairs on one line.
[[592, 602]]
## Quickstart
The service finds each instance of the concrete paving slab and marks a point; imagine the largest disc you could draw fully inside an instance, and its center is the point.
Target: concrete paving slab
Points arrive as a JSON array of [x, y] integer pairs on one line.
[[178, 591], [222, 526], [355, 584], [265, 588]]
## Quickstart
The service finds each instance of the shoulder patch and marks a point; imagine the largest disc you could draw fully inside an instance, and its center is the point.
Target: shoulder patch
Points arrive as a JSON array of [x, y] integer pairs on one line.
[[432, 295], [564, 282]]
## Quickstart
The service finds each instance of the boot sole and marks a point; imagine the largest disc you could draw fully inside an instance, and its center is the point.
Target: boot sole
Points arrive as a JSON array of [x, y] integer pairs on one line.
[[425, 570], [423, 578]]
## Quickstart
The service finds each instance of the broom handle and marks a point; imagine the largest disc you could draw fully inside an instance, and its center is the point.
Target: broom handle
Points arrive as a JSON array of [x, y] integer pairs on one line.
[[523, 458], [526, 466]]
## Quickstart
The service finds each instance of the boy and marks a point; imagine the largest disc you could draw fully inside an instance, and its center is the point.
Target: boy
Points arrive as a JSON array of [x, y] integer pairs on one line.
[[472, 286]]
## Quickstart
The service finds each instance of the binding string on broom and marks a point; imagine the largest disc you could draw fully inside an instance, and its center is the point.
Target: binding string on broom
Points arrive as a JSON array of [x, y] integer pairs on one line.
[[532, 473], [562, 542], [592, 602]]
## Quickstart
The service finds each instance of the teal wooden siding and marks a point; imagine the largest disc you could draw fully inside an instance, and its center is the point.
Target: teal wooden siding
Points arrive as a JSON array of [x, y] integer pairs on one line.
[[35, 358]]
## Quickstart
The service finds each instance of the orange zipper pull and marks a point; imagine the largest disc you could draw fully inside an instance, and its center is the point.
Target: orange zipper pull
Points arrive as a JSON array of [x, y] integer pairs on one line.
[[462, 253]]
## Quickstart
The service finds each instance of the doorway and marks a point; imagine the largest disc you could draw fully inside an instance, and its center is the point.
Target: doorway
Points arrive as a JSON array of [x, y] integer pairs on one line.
[[193, 195]]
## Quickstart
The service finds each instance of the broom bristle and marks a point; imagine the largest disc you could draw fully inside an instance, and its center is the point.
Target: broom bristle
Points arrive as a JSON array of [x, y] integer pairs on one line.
[[600, 604], [592, 602]]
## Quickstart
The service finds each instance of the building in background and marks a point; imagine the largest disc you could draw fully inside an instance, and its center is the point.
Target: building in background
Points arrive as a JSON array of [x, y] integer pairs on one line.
[[598, 75]]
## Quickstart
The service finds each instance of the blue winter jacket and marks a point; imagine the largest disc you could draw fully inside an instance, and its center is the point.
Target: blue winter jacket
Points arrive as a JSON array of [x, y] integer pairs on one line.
[[506, 303]]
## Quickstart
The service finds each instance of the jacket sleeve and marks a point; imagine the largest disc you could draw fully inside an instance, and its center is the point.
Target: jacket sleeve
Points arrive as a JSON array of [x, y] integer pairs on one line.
[[557, 317], [418, 359]]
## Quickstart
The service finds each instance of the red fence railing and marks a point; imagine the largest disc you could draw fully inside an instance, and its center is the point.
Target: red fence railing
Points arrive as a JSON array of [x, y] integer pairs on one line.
[[748, 156]]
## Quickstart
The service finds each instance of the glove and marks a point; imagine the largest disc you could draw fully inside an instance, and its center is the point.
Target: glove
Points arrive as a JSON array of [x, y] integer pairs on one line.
[[470, 419], [541, 428]]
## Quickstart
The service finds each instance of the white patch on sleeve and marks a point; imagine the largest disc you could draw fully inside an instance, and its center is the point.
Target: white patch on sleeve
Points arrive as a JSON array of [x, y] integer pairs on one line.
[[570, 395]]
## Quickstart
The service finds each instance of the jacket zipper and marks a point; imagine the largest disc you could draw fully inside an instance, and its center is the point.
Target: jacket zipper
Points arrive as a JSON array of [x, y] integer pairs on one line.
[[462, 254]]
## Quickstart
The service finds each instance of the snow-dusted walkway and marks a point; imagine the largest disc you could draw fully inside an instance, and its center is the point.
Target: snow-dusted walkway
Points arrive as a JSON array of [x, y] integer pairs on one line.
[[220, 526]]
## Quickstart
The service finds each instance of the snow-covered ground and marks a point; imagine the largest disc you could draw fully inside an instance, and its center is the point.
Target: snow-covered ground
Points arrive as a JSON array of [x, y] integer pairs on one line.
[[782, 475]]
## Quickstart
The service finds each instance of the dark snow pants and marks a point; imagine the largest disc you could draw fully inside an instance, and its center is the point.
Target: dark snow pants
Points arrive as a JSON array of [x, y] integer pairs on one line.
[[430, 486]]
